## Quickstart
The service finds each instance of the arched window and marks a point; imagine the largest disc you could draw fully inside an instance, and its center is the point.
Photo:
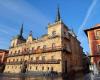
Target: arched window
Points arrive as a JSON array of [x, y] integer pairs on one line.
[[43, 68], [53, 33], [44, 47], [47, 68], [36, 67]]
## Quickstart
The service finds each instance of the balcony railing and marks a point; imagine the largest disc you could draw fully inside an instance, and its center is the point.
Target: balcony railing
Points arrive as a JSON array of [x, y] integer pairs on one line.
[[45, 62], [46, 50], [54, 61], [13, 63]]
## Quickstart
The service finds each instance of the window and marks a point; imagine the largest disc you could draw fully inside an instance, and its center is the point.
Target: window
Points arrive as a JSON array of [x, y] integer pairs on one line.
[[15, 51], [13, 45], [43, 58], [36, 67], [32, 48], [18, 51], [52, 57], [13, 60], [8, 67], [44, 47], [30, 67], [11, 52], [37, 58], [64, 33], [27, 49], [38, 47], [17, 60], [15, 67], [51, 68], [43, 68], [21, 59], [9, 60], [99, 63], [53, 45], [31, 58], [98, 48], [98, 34], [47, 68], [53, 33]]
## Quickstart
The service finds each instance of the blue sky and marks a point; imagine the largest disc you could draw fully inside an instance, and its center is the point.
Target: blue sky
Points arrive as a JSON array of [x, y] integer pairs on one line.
[[36, 14]]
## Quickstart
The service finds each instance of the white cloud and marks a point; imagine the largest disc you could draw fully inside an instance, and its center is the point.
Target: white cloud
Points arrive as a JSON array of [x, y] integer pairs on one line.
[[22, 8], [89, 12], [7, 30]]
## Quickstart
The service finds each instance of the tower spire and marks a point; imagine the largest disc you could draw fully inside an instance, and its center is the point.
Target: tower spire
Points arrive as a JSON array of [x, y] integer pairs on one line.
[[58, 18], [21, 30]]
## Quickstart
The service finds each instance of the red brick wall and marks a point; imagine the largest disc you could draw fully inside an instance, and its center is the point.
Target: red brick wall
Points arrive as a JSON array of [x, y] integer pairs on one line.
[[93, 45], [3, 58]]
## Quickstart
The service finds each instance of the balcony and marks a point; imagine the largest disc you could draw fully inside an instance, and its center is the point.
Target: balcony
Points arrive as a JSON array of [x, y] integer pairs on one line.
[[54, 61], [20, 54], [46, 50], [54, 49], [13, 63], [45, 62]]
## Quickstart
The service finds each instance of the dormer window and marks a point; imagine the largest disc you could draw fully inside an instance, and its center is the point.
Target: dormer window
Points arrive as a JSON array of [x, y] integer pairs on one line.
[[53, 33], [97, 34]]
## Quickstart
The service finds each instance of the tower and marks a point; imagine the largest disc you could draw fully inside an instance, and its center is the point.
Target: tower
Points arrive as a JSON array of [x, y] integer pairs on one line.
[[21, 30], [18, 39], [58, 17]]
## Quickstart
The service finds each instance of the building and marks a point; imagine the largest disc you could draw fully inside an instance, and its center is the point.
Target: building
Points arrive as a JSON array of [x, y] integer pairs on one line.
[[3, 53], [94, 44], [57, 51], [3, 59], [86, 63]]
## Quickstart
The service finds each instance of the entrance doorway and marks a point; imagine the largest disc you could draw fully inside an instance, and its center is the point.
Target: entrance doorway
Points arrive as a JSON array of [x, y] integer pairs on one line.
[[65, 63]]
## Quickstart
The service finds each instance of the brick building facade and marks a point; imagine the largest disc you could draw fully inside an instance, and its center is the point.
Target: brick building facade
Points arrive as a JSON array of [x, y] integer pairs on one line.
[[3, 53], [93, 35]]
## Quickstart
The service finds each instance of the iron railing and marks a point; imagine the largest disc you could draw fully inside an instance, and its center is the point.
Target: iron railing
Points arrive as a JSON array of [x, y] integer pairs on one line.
[[46, 50], [54, 61]]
